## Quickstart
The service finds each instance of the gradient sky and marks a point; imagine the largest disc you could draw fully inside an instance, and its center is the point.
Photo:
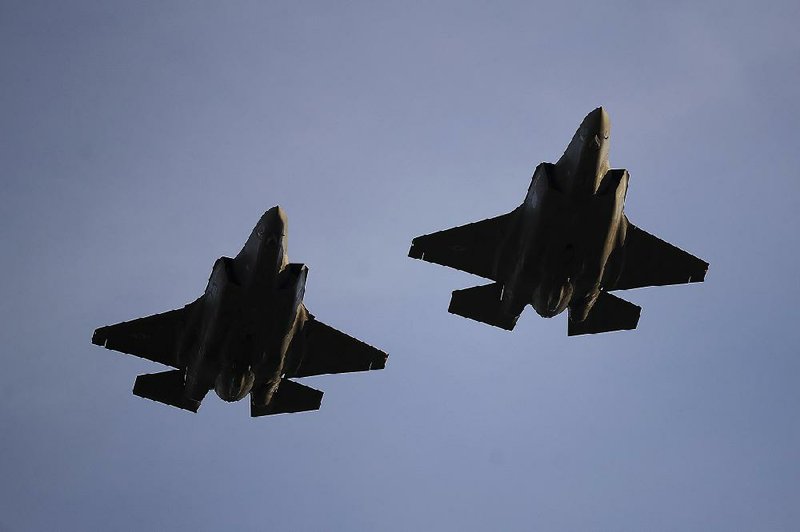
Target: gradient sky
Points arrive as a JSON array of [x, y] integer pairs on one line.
[[142, 140]]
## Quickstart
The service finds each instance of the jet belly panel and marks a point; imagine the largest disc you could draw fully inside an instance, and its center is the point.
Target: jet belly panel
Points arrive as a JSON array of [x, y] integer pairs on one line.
[[541, 271], [596, 235], [287, 303], [217, 322]]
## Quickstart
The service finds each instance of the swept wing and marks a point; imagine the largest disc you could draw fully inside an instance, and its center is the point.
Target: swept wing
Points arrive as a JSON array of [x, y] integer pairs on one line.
[[645, 260], [323, 349], [471, 248], [153, 337]]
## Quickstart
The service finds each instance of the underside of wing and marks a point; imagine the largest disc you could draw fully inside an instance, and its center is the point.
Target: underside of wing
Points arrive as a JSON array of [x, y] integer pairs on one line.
[[471, 248], [154, 337], [323, 350], [645, 260]]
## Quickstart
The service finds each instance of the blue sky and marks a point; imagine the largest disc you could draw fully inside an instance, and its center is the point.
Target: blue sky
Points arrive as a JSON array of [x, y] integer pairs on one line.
[[141, 141]]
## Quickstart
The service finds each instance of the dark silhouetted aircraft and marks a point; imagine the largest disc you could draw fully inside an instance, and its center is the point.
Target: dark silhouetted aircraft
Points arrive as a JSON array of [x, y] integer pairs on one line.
[[567, 246], [249, 333]]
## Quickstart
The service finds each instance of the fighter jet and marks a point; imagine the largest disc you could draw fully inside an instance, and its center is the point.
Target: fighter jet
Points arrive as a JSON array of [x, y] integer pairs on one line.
[[249, 333], [566, 247]]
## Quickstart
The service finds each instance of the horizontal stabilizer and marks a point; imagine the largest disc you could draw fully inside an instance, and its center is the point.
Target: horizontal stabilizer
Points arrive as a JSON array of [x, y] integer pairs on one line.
[[289, 397], [609, 313], [165, 387], [482, 303]]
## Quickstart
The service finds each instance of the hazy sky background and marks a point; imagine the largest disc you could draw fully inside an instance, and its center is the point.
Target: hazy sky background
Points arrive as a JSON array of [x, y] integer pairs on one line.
[[142, 140]]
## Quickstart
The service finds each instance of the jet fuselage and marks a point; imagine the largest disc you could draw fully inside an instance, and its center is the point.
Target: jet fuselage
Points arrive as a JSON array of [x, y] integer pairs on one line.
[[564, 231], [568, 245], [249, 333], [238, 337]]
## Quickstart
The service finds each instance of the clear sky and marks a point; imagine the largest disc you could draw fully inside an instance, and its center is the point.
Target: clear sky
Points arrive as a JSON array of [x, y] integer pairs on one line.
[[142, 140]]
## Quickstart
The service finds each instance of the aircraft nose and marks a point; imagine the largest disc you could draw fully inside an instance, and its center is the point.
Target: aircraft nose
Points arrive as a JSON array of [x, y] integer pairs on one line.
[[275, 217], [273, 224], [599, 123]]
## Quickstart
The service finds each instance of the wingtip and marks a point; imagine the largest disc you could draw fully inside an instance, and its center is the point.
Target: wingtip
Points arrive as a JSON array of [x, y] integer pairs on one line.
[[380, 361], [415, 252], [698, 276], [702, 276], [98, 337]]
